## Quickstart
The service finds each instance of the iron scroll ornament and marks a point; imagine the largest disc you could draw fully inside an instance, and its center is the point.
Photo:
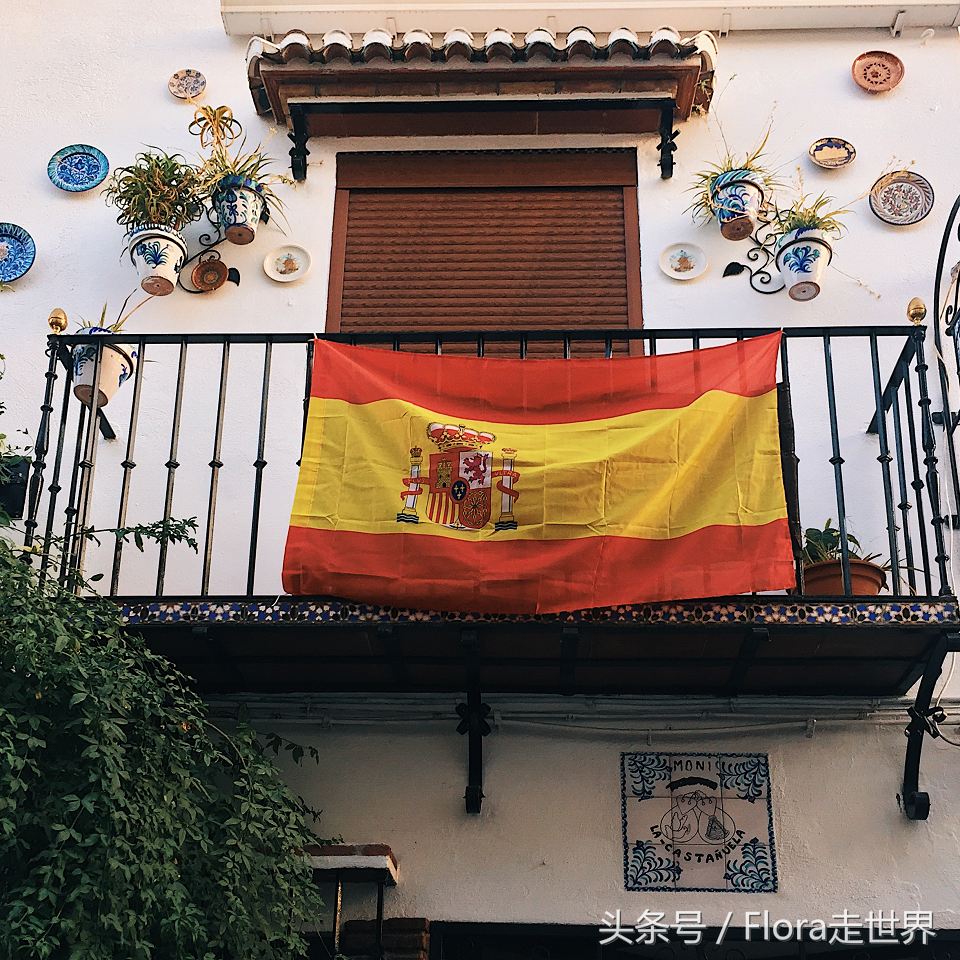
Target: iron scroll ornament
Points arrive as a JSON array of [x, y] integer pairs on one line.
[[763, 253], [208, 244]]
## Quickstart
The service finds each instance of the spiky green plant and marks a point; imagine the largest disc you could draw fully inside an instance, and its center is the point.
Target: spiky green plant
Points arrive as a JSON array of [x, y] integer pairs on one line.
[[704, 207], [218, 130], [807, 214], [157, 188]]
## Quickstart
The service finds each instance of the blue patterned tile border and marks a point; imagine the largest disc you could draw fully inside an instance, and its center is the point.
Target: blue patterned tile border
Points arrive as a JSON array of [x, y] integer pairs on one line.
[[322, 610], [697, 822]]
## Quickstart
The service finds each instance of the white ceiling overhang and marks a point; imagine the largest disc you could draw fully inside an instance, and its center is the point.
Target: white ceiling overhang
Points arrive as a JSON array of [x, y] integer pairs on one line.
[[275, 17]]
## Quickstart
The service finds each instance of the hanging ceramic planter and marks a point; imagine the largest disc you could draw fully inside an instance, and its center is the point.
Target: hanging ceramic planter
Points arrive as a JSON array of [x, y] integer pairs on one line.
[[240, 206], [802, 256], [158, 253], [736, 197], [118, 362]]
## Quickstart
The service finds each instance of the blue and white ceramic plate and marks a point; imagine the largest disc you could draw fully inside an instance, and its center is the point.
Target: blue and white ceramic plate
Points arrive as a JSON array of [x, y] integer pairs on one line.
[[17, 252], [187, 84], [77, 168], [832, 152]]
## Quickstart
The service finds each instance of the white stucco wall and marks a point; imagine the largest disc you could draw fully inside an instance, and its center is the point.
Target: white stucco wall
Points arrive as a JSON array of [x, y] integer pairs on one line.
[[547, 846]]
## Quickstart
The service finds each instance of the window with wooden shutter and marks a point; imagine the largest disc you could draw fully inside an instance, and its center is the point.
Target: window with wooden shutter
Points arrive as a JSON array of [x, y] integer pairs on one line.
[[485, 241]]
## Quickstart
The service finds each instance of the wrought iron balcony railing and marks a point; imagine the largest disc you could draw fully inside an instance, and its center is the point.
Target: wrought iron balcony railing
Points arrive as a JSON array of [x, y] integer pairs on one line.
[[211, 426]]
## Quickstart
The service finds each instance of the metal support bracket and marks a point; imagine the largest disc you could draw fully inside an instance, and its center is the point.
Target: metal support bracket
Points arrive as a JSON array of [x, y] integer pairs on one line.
[[568, 660], [299, 151], [764, 276], [668, 137], [923, 720], [755, 638], [473, 721]]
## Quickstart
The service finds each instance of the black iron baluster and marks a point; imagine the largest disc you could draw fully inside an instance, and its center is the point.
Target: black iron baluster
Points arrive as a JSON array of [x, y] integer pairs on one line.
[[785, 379], [930, 460], [171, 465], [88, 467], [884, 461], [215, 464], [904, 505], [917, 483], [41, 445], [837, 462], [128, 465], [55, 488], [70, 511], [307, 390], [938, 345], [523, 347], [258, 465]]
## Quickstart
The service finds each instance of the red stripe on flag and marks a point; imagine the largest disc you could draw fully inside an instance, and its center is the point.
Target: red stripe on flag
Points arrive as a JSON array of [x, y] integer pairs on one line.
[[543, 391], [546, 576]]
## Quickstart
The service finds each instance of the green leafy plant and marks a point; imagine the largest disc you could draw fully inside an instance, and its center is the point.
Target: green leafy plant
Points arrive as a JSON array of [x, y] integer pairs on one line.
[[132, 825], [820, 545], [158, 188], [704, 206], [218, 130]]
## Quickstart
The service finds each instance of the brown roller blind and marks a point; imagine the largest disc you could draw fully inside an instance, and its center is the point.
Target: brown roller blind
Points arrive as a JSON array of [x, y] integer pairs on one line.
[[503, 250]]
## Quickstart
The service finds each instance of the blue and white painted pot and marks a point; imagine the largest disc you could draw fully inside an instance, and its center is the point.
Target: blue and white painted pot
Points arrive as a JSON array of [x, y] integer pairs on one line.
[[240, 207], [118, 362], [802, 256], [158, 253], [737, 196]]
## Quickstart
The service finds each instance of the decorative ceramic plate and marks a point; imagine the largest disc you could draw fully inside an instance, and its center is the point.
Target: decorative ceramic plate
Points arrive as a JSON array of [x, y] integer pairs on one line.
[[832, 152], [901, 198], [683, 261], [77, 168], [877, 71], [17, 252], [185, 84], [286, 263]]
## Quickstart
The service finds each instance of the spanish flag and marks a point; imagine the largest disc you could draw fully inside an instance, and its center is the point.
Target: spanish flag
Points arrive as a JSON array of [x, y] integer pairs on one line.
[[536, 486]]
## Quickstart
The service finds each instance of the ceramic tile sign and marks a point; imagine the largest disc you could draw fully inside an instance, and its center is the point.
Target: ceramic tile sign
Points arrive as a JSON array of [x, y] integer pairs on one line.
[[697, 821]]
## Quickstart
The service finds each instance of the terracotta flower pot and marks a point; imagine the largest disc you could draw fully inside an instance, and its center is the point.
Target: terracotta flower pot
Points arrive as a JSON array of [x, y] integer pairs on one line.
[[117, 364], [240, 206], [802, 256], [826, 578], [158, 253], [737, 196]]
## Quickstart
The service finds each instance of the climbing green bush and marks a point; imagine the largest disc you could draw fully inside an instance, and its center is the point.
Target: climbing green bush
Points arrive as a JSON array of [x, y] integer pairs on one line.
[[130, 825]]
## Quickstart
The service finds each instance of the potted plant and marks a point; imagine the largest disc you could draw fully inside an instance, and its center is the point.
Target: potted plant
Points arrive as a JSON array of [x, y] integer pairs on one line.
[[157, 196], [118, 361], [803, 249], [823, 570], [733, 191], [239, 188]]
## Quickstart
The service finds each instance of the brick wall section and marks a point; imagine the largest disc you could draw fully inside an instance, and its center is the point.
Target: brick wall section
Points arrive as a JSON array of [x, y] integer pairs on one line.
[[404, 938]]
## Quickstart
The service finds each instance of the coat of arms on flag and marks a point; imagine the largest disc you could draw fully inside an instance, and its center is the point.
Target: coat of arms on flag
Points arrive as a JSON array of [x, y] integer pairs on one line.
[[459, 483], [490, 485]]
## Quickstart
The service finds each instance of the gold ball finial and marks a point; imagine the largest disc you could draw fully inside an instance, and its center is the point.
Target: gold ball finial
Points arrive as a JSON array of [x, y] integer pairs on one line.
[[57, 320], [916, 311]]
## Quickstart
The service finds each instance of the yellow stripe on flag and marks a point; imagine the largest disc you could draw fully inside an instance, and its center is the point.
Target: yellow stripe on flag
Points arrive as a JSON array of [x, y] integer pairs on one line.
[[654, 474]]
